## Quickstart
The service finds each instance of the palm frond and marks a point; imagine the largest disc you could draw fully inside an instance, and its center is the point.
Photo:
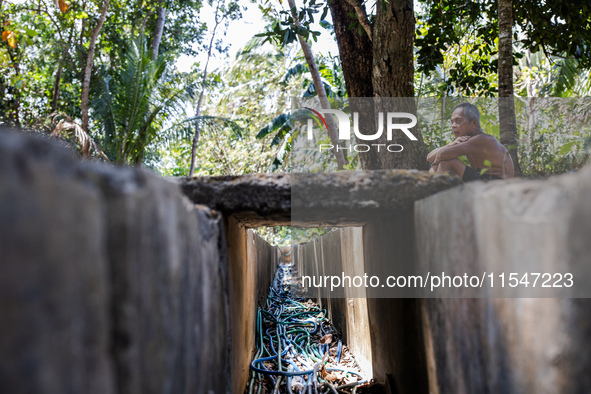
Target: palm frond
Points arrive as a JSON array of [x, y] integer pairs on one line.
[[281, 122], [311, 90], [254, 43], [295, 71], [206, 121], [567, 71], [67, 130], [103, 110], [131, 104]]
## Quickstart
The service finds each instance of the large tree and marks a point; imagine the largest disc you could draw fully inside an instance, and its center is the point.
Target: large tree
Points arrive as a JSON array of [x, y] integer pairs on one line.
[[377, 61]]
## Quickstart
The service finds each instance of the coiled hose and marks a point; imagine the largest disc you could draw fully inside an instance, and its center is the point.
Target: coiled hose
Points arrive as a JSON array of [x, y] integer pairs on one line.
[[293, 342]]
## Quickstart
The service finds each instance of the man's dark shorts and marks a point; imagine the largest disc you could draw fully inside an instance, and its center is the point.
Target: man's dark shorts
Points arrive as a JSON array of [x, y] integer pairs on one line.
[[473, 175]]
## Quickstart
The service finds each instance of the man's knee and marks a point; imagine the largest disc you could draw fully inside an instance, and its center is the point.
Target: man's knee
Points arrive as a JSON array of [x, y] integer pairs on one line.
[[454, 165], [447, 165]]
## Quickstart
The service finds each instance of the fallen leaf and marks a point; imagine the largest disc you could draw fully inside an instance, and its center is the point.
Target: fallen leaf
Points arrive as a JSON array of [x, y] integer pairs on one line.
[[326, 339], [330, 377]]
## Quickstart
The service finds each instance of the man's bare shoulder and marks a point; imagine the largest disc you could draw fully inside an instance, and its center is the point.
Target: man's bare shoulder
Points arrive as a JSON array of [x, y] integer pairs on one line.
[[484, 139]]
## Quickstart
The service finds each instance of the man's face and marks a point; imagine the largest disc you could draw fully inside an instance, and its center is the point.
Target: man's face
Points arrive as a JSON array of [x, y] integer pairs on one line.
[[460, 126]]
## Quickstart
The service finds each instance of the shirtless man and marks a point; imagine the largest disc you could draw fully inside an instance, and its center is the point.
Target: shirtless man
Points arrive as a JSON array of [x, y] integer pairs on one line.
[[476, 145]]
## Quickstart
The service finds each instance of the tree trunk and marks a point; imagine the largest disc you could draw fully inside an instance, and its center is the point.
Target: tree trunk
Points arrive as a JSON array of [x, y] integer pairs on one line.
[[320, 91], [356, 56], [160, 20], [56, 87], [532, 118], [58, 76], [14, 112], [381, 67], [393, 76], [507, 121], [355, 51], [88, 70]]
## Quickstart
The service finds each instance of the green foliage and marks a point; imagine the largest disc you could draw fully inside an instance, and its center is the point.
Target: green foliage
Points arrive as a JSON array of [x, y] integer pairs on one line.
[[52, 44], [332, 78], [458, 54], [283, 29], [556, 27], [555, 133], [280, 125], [247, 126], [462, 50], [287, 235], [249, 92], [131, 102]]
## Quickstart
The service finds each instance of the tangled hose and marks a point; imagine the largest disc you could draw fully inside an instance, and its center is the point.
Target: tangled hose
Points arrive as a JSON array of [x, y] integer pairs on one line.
[[295, 348]]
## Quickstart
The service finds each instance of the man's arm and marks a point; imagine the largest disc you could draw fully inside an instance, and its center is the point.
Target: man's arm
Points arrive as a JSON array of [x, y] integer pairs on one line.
[[433, 154], [454, 151]]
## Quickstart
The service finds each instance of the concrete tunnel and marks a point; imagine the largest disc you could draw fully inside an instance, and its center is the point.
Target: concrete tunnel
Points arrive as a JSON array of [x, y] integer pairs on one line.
[[338, 200], [114, 280]]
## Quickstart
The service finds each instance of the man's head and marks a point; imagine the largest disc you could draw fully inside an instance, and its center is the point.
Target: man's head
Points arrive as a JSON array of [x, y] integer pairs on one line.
[[465, 120]]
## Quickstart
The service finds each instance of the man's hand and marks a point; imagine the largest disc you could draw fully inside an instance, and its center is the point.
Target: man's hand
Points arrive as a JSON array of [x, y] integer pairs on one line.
[[433, 156], [459, 140]]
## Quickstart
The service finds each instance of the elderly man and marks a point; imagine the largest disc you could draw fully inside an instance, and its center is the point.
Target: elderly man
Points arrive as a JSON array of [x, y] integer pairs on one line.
[[488, 158]]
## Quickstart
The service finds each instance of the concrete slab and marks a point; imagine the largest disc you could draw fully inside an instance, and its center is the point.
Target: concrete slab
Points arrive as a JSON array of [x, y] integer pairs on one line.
[[344, 198]]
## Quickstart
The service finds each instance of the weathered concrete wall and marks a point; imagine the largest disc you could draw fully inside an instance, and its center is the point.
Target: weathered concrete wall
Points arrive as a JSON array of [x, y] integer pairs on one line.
[[506, 345], [357, 319], [345, 198], [111, 281], [331, 262], [395, 323], [54, 274], [252, 265]]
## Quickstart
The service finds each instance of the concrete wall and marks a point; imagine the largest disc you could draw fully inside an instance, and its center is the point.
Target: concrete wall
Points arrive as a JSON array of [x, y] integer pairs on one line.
[[395, 323], [384, 334], [357, 320], [252, 265], [467, 345], [110, 280], [506, 345]]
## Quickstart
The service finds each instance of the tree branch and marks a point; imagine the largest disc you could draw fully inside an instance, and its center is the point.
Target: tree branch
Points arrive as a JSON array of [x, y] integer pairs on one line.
[[218, 20], [46, 11], [320, 91], [88, 70], [362, 16], [160, 20]]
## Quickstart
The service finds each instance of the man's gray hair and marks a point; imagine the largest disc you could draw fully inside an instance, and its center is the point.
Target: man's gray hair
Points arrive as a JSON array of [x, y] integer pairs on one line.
[[470, 111]]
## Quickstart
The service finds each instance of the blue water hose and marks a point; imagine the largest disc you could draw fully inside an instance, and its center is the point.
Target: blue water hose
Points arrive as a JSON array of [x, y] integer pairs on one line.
[[339, 349]]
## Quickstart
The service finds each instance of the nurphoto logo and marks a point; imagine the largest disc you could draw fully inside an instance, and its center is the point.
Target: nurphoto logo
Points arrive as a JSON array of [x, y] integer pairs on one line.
[[345, 130]]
